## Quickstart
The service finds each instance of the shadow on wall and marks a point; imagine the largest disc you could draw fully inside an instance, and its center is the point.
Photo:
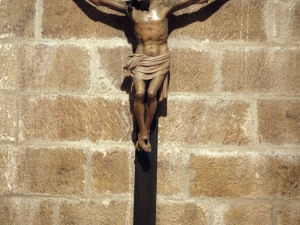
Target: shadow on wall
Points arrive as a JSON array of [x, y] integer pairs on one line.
[[123, 22], [201, 15], [113, 20]]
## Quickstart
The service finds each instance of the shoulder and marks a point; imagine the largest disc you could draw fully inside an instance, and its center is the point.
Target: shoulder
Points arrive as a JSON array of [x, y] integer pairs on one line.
[[168, 3]]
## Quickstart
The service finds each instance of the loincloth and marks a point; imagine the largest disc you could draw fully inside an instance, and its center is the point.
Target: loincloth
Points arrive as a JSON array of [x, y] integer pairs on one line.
[[145, 67]]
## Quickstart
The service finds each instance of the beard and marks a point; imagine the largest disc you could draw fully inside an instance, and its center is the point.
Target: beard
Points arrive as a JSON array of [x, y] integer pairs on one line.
[[142, 5]]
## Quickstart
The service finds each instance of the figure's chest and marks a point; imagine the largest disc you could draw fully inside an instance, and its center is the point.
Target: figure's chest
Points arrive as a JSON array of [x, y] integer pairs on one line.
[[155, 15]]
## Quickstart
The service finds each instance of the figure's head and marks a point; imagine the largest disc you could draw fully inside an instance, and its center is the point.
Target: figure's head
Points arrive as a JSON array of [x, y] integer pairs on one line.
[[139, 5]]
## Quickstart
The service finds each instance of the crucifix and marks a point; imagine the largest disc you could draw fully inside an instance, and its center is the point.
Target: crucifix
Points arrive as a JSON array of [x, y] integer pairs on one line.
[[149, 67]]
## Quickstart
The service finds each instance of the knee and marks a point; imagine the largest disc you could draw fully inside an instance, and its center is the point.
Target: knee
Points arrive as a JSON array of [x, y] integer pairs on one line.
[[152, 95], [139, 96]]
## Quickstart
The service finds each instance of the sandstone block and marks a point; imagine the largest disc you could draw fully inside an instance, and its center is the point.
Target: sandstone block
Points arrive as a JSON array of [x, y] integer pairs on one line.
[[50, 171], [181, 213], [74, 118], [169, 173], [192, 71], [111, 76], [286, 21], [9, 70], [206, 122], [279, 121], [110, 172], [79, 19], [288, 213], [238, 175], [26, 211], [4, 162], [234, 20], [8, 117], [17, 18], [219, 176], [93, 213], [45, 68], [249, 212], [261, 70], [282, 174]]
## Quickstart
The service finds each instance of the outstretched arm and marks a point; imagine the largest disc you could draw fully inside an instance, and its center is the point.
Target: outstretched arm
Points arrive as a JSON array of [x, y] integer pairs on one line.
[[117, 5], [180, 4]]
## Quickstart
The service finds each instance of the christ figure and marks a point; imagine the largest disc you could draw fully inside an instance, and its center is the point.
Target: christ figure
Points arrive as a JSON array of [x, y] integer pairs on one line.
[[149, 65]]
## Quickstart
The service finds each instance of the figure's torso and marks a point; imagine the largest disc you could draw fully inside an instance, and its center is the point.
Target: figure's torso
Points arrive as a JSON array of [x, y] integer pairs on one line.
[[151, 28]]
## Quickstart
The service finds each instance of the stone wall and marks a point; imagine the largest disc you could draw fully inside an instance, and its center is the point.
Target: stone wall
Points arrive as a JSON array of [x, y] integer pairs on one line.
[[229, 139]]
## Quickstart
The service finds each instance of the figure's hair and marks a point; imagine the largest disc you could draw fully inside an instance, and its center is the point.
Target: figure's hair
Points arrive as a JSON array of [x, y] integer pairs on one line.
[[142, 5]]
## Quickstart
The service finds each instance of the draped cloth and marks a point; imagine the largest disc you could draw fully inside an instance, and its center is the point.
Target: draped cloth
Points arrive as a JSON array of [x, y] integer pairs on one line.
[[145, 67]]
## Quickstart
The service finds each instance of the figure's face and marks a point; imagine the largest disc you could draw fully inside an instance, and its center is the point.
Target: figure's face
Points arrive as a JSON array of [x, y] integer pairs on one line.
[[142, 4], [138, 5]]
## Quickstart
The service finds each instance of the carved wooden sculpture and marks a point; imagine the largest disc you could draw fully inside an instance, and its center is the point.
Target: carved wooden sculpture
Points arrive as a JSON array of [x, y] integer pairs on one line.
[[150, 64]]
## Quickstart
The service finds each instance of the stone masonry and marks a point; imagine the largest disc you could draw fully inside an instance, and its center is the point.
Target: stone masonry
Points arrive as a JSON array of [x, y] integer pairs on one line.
[[229, 136]]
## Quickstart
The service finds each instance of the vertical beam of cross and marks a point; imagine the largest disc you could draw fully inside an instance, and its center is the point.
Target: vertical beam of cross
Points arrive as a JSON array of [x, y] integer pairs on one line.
[[145, 181]]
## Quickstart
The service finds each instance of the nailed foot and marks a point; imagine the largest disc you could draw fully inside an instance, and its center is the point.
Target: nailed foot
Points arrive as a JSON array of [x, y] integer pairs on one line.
[[143, 143]]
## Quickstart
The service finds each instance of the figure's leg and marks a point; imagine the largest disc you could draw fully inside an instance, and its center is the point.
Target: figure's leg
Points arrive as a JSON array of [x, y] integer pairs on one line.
[[154, 85], [139, 112]]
